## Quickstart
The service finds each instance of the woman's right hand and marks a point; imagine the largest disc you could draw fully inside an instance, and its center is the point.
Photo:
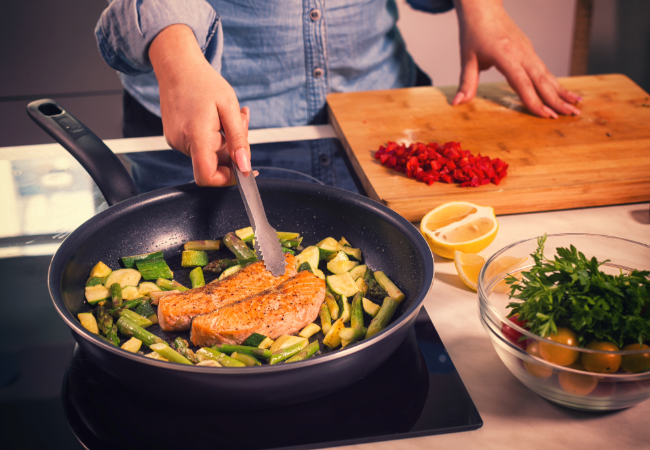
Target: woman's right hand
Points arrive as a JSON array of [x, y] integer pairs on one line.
[[196, 102]]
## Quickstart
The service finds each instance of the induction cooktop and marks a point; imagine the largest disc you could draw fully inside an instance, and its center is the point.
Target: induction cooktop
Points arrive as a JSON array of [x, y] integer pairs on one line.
[[416, 392]]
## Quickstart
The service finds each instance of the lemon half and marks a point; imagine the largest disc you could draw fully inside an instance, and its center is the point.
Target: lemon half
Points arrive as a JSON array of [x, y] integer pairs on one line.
[[461, 226]]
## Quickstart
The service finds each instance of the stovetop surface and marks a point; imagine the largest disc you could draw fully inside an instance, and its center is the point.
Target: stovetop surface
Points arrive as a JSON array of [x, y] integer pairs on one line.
[[416, 392]]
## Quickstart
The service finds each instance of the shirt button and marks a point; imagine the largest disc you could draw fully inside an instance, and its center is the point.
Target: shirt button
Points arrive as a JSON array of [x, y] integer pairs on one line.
[[324, 160], [318, 72], [314, 14]]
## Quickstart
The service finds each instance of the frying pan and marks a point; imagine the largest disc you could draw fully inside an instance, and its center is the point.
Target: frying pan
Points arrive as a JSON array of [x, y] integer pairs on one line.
[[166, 218]]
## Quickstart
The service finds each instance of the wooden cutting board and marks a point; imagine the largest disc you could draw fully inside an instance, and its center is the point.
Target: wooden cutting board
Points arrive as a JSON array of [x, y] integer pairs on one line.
[[601, 157]]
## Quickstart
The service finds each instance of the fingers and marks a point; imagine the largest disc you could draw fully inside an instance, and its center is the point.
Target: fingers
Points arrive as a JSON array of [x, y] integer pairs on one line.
[[210, 168], [235, 125], [468, 81]]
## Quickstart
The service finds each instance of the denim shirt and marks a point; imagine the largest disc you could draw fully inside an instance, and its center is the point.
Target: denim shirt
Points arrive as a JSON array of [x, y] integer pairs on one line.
[[282, 57]]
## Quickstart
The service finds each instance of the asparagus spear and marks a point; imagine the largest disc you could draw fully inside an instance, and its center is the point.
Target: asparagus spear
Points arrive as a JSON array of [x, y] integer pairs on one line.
[[169, 353], [253, 351], [356, 315], [246, 359], [352, 334], [332, 305], [130, 304], [306, 353], [170, 285], [238, 247], [223, 359], [104, 318], [287, 352], [383, 316], [112, 336], [374, 288], [196, 277], [183, 348], [292, 243], [130, 329], [325, 318], [220, 265], [116, 294]]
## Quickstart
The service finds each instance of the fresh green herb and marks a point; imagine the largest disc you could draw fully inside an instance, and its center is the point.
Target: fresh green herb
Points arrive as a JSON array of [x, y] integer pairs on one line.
[[571, 291]]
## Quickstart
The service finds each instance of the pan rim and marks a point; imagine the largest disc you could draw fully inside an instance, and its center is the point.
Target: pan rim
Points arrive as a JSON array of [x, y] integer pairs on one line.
[[65, 251]]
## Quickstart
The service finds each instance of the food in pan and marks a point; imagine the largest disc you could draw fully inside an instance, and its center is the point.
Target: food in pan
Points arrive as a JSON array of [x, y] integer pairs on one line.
[[246, 316], [569, 300]]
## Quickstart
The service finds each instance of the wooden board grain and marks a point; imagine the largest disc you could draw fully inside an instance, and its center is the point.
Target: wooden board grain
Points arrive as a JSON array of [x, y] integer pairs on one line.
[[601, 157]]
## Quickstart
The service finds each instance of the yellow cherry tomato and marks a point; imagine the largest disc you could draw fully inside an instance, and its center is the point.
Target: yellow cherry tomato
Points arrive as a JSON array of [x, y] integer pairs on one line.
[[601, 362], [560, 355], [636, 363], [577, 384], [536, 370]]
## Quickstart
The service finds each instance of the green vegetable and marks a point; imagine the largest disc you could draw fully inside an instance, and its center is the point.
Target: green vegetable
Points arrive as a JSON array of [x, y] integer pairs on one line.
[[154, 269], [196, 278], [238, 247], [352, 334], [223, 264], [325, 318], [205, 245], [390, 288], [229, 349], [130, 329], [383, 317], [247, 359], [192, 258], [170, 354], [129, 261], [287, 352], [144, 309], [94, 281], [170, 285], [374, 288], [356, 313], [332, 305], [133, 317], [116, 294], [254, 340], [245, 234], [183, 348], [292, 243], [305, 266], [215, 355], [570, 291], [305, 353]]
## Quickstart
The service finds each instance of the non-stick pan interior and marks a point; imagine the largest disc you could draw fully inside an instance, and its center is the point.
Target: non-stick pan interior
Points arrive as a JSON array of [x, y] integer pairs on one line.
[[165, 219]]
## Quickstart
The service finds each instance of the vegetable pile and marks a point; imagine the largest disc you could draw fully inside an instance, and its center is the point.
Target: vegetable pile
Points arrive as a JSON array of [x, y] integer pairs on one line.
[[447, 163], [569, 300], [125, 306]]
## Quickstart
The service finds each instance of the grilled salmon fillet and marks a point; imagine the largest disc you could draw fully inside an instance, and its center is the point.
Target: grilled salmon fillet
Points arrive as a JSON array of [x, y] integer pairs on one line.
[[175, 312], [284, 309]]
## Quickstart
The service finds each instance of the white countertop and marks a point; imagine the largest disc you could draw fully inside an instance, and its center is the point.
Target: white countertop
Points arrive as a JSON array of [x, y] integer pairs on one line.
[[514, 416]]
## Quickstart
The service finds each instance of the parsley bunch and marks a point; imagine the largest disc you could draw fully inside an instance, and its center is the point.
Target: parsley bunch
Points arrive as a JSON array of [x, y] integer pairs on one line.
[[570, 291]]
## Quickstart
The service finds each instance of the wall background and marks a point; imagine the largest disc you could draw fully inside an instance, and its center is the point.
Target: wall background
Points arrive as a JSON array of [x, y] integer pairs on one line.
[[47, 49]]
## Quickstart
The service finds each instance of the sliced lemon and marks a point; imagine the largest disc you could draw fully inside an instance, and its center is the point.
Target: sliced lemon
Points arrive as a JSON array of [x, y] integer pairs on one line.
[[461, 226], [468, 266], [504, 265]]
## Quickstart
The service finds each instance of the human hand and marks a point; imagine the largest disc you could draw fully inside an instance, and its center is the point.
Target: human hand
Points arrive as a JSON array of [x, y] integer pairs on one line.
[[196, 102], [489, 37]]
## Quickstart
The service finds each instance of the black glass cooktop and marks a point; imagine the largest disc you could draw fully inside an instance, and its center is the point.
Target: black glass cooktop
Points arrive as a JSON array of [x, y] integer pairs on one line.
[[416, 392]]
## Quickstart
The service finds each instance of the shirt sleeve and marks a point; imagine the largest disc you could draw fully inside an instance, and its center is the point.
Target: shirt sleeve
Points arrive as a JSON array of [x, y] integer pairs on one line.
[[432, 6], [127, 27]]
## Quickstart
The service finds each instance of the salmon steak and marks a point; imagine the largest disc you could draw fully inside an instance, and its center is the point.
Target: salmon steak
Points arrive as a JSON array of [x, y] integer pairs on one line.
[[175, 312], [283, 309]]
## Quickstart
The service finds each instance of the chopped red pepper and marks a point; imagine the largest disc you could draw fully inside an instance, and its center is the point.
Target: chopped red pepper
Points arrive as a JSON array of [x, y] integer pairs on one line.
[[447, 163]]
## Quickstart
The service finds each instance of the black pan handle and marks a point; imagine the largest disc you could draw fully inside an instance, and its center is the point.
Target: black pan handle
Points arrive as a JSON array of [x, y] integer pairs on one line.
[[99, 161]]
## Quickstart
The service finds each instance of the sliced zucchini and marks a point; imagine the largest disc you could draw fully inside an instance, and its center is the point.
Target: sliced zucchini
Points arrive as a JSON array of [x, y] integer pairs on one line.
[[123, 277], [390, 288], [344, 304], [130, 293], [132, 345], [196, 278], [230, 270], [152, 269], [342, 284], [286, 236], [245, 234], [339, 256], [207, 363], [254, 340], [284, 341], [344, 242], [310, 255], [266, 343], [305, 266], [194, 258], [332, 339], [94, 281], [89, 322], [370, 308], [310, 330], [332, 305], [100, 270], [337, 267], [146, 287], [319, 273], [145, 310], [353, 252], [327, 247], [129, 261], [358, 271], [154, 355], [97, 293], [362, 285]]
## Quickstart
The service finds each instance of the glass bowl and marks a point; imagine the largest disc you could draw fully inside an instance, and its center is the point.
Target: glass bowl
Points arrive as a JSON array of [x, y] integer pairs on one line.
[[571, 386]]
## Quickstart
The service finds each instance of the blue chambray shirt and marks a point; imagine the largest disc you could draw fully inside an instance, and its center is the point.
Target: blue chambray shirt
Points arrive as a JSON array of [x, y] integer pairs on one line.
[[282, 57]]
